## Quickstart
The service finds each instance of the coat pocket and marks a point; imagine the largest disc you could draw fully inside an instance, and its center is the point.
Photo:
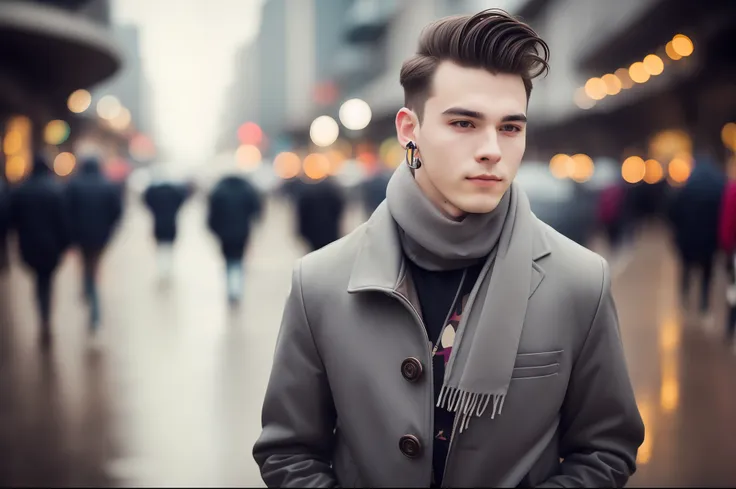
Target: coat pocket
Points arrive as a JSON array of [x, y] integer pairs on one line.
[[537, 364]]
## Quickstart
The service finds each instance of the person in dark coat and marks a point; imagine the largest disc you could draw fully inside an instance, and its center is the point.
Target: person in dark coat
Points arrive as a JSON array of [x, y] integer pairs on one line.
[[319, 207], [95, 207], [4, 224], [694, 215], [233, 204], [164, 199], [374, 189], [38, 215]]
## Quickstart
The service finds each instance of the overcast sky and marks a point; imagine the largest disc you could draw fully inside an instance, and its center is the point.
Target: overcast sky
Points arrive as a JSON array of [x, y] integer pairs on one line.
[[188, 48]]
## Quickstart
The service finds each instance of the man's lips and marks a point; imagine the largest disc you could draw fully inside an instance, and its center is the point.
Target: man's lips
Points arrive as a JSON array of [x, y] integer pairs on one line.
[[487, 178]]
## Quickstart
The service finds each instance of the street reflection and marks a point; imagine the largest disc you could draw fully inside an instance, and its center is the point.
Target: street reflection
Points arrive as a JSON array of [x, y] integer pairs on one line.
[[669, 354]]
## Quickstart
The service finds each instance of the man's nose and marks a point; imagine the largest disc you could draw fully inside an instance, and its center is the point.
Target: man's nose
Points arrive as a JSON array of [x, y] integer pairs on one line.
[[489, 151]]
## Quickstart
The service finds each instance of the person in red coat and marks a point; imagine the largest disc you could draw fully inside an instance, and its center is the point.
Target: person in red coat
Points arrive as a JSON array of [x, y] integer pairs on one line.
[[727, 242]]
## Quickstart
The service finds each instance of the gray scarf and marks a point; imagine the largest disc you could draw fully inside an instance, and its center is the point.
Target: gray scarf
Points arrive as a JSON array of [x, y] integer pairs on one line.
[[479, 371]]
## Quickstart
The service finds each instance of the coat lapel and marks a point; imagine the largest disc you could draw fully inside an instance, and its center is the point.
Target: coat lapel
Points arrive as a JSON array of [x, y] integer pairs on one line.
[[540, 249], [379, 262]]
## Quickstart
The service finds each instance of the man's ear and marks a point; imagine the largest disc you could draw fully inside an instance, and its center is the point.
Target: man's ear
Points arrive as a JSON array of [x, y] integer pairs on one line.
[[406, 124]]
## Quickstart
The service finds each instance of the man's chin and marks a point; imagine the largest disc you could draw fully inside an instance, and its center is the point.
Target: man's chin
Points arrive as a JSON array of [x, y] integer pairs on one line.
[[479, 206]]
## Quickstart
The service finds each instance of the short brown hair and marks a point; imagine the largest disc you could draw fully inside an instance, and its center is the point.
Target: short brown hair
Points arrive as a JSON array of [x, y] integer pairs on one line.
[[491, 39]]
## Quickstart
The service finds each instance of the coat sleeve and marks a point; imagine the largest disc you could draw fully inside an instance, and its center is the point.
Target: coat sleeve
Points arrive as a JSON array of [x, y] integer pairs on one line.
[[296, 444], [601, 428]]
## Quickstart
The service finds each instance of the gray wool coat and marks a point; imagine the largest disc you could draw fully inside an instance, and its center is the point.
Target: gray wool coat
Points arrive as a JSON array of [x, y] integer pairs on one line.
[[340, 412]]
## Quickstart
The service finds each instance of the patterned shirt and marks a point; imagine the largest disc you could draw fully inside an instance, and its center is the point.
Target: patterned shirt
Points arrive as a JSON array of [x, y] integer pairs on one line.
[[437, 291]]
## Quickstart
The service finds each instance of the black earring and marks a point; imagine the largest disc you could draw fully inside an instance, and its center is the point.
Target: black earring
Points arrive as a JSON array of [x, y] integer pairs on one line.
[[411, 156]]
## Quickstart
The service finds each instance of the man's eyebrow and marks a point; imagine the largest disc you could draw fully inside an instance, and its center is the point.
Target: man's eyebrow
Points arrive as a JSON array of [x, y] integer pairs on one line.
[[514, 118], [474, 114]]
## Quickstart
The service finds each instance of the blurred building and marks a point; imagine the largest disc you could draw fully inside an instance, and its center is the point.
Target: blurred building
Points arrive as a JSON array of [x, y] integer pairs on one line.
[[48, 50], [285, 71], [131, 90], [636, 76], [242, 97]]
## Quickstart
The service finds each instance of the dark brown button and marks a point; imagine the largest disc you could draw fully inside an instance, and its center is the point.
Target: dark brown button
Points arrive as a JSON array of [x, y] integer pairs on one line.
[[411, 369], [410, 446]]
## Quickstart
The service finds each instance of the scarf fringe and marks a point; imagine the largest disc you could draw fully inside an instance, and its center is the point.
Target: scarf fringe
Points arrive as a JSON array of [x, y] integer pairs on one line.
[[468, 404]]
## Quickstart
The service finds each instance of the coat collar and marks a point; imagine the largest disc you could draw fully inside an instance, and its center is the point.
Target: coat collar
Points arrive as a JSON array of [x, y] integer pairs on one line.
[[379, 264]]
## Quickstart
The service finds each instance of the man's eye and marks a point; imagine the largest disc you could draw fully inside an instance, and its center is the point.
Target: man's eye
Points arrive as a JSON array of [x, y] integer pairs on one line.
[[463, 124], [510, 128]]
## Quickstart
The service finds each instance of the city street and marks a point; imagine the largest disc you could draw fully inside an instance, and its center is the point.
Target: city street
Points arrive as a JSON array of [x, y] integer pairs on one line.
[[169, 393]]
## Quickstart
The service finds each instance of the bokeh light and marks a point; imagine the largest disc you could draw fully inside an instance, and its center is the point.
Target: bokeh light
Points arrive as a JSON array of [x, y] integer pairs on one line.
[[64, 164], [653, 64], [250, 133], [79, 101], [324, 131], [109, 107], [56, 132], [595, 88], [633, 169], [121, 122], [638, 72], [355, 114], [728, 135], [653, 171], [670, 50], [561, 166], [582, 168], [15, 168], [316, 166], [613, 84], [248, 156], [682, 45], [13, 142], [287, 165], [679, 169]]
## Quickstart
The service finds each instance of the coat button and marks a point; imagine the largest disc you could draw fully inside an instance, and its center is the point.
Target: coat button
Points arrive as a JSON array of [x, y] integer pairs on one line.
[[410, 446], [411, 369]]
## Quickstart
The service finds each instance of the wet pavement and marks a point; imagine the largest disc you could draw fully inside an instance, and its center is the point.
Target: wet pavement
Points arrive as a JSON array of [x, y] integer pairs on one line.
[[170, 392]]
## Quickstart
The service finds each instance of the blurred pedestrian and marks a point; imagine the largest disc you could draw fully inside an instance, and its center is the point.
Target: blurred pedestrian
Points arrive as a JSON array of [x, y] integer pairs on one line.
[[38, 215], [727, 242], [234, 204], [4, 224], [95, 207], [453, 340], [611, 213], [694, 213], [164, 199], [374, 188], [319, 208]]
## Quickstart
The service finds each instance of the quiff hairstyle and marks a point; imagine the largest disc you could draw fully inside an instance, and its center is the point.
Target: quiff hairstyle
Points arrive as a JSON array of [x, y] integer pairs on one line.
[[491, 39]]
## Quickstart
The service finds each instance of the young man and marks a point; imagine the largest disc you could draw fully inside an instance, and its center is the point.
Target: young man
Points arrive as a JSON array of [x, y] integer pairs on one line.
[[453, 340]]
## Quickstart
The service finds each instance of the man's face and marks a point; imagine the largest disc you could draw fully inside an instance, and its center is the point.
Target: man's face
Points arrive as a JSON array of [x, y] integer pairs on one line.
[[471, 139]]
